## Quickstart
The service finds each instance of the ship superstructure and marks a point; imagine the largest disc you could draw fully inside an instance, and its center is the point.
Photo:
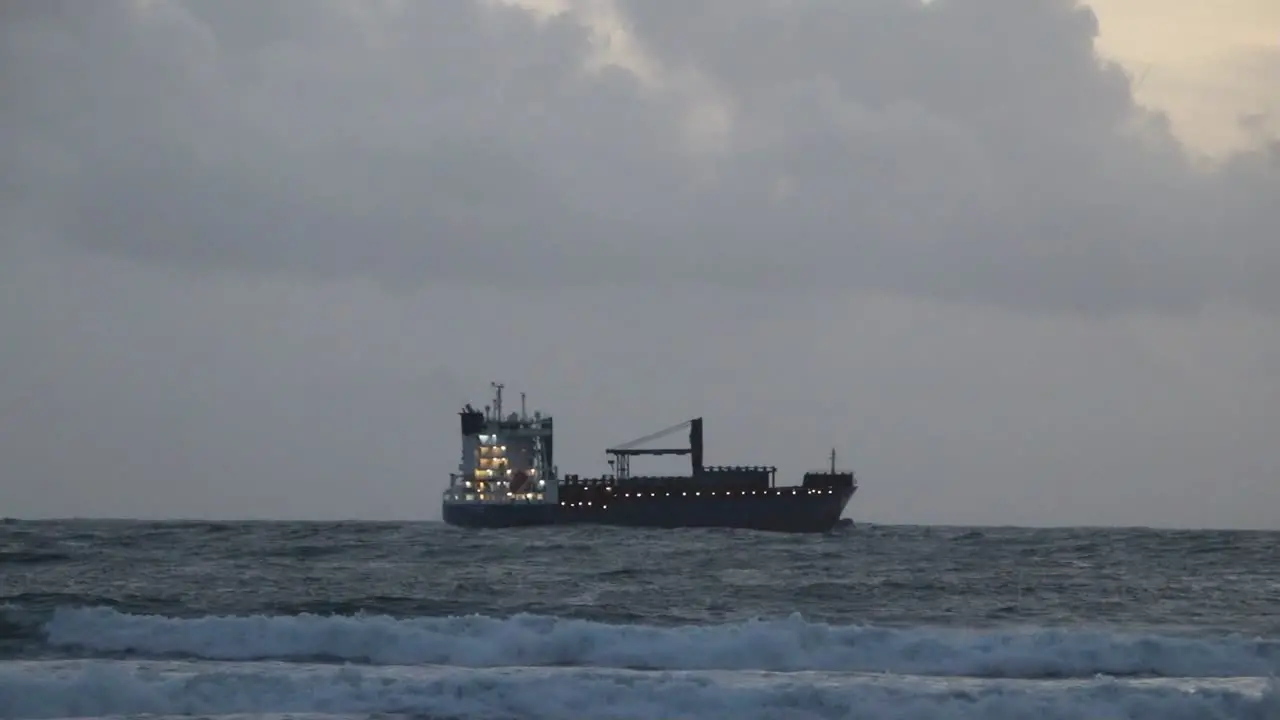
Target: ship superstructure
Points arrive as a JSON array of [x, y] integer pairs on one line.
[[505, 459], [507, 477]]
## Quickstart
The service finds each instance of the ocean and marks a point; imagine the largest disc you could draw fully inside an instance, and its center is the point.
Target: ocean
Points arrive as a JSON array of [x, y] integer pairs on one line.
[[360, 620]]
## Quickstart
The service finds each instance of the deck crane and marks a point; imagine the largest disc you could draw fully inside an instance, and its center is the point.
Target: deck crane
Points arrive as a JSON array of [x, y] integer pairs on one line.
[[623, 453]]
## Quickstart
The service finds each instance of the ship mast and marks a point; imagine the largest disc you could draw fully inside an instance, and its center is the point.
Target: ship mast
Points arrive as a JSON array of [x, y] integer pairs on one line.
[[497, 399]]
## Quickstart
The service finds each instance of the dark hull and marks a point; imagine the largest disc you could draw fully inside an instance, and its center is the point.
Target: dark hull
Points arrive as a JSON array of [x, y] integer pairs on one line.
[[779, 511]]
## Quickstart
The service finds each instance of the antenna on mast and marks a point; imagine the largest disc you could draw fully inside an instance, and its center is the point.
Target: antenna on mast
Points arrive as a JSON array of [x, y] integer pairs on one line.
[[497, 399]]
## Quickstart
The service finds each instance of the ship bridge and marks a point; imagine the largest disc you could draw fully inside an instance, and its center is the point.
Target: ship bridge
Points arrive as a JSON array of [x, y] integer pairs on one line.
[[505, 458]]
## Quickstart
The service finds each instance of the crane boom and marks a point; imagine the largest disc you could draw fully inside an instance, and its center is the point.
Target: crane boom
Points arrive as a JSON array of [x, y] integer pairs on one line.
[[622, 453], [652, 436]]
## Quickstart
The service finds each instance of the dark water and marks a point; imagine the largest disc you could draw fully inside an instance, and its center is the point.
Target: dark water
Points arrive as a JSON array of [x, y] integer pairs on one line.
[[101, 618]]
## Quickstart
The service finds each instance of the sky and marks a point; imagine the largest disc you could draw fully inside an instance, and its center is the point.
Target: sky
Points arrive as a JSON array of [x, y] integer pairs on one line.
[[1013, 259]]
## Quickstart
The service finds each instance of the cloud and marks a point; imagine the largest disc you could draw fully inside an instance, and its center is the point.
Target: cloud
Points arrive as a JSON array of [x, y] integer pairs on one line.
[[251, 253], [889, 146]]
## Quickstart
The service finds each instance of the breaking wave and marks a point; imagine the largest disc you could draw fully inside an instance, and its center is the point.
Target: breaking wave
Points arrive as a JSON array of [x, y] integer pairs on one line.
[[785, 645], [101, 688]]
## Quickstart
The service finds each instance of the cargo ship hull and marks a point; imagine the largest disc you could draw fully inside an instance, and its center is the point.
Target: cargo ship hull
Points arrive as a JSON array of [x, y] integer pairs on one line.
[[778, 511]]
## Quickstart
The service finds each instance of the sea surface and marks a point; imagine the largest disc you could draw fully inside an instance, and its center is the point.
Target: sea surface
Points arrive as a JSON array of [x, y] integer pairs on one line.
[[353, 620]]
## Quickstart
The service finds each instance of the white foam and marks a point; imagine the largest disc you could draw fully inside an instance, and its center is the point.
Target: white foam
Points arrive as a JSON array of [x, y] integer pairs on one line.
[[105, 687], [784, 645]]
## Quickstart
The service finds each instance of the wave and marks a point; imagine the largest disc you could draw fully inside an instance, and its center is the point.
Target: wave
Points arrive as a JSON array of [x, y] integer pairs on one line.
[[31, 557], [786, 645], [100, 688]]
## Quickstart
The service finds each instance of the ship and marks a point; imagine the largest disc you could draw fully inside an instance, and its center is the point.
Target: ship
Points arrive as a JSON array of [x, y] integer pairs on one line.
[[507, 478]]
